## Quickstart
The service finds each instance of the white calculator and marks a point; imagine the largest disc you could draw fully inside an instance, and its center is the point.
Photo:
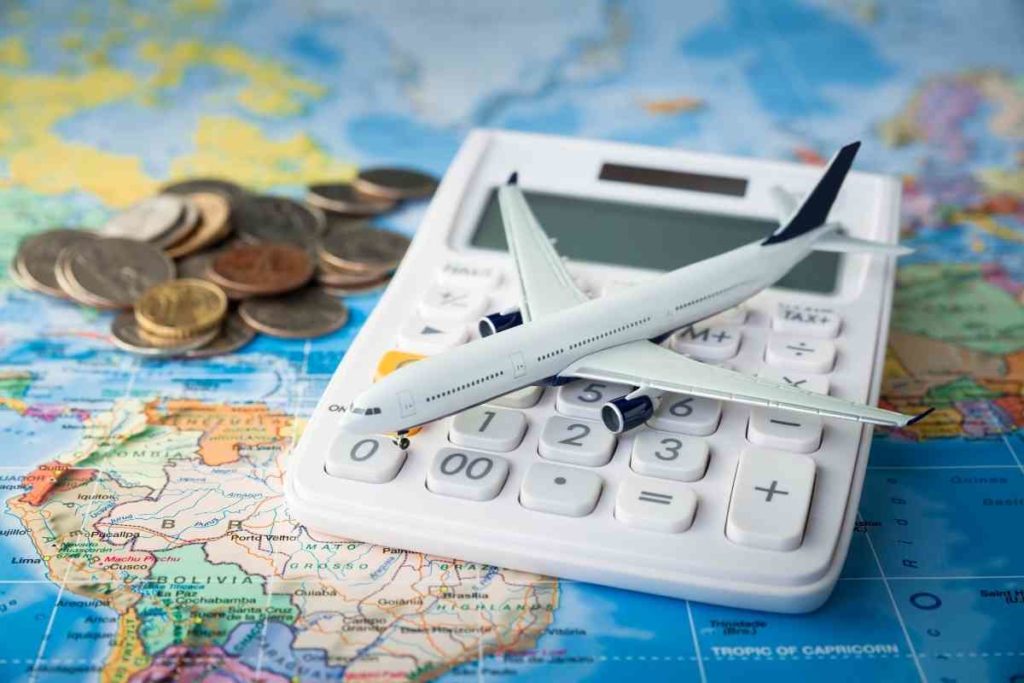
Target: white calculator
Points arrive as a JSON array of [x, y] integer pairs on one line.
[[542, 485]]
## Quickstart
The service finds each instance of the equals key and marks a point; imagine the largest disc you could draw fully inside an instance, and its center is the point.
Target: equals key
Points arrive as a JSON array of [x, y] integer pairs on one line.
[[655, 505]]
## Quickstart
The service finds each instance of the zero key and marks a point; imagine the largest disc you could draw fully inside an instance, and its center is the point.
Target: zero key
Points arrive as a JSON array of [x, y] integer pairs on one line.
[[771, 496]]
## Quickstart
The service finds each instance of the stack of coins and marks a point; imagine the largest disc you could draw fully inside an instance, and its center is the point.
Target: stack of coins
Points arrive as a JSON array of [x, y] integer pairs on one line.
[[198, 269]]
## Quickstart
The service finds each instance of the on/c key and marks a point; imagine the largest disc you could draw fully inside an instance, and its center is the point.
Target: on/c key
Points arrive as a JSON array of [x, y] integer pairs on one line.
[[771, 496]]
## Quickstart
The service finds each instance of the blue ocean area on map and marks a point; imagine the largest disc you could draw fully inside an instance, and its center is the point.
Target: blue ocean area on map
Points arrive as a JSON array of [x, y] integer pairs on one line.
[[123, 477]]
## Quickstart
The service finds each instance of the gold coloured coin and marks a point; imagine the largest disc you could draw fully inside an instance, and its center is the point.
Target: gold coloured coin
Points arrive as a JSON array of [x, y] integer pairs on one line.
[[180, 309], [214, 210]]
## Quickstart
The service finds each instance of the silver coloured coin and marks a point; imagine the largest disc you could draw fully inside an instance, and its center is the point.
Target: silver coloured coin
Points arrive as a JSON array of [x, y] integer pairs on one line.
[[234, 334], [395, 183], [36, 259], [363, 248], [263, 218], [306, 313], [183, 228], [147, 220], [114, 271], [127, 335]]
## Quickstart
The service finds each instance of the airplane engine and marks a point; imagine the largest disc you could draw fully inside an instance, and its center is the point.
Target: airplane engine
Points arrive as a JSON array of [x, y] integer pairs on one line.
[[624, 414], [499, 322]]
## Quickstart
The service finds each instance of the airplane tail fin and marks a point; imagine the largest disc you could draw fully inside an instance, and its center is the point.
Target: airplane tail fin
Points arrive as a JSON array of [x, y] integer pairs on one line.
[[814, 211]]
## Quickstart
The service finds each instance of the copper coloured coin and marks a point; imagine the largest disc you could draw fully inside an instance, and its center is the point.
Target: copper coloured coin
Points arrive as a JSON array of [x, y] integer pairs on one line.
[[262, 269]]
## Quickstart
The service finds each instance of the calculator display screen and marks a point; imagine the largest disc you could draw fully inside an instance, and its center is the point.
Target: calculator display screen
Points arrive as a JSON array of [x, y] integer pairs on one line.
[[640, 236]]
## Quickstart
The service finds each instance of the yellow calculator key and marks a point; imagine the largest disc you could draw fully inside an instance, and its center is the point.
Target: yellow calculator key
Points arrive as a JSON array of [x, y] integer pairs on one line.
[[392, 360]]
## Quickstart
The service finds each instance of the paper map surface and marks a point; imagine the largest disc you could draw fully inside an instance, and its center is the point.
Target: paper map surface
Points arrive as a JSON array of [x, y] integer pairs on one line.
[[143, 531]]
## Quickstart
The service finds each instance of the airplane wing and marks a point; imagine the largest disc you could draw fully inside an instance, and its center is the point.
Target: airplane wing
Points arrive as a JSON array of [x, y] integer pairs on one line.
[[545, 285], [646, 364]]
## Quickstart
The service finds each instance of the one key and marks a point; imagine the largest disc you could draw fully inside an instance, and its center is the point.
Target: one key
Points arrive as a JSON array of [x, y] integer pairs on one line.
[[526, 397], [467, 474], [466, 276], [429, 338], [785, 430], [669, 456], [560, 490], [655, 505], [816, 383], [706, 342], [486, 427], [373, 459], [585, 398], [771, 496], [687, 415], [803, 355], [577, 442], [809, 321], [452, 304]]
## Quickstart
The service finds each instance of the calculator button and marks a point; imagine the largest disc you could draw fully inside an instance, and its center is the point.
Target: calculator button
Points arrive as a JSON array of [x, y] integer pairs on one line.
[[809, 321], [815, 383], [585, 398], [526, 397], [494, 429], [687, 415], [467, 474], [737, 315], [452, 304], [669, 456], [392, 360], [707, 342], [771, 496], [469, 277], [577, 442], [804, 355], [423, 337], [785, 430], [655, 505], [560, 490], [373, 459]]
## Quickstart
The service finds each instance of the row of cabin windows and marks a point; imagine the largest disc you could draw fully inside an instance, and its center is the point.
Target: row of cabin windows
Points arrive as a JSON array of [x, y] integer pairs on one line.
[[607, 333], [708, 296], [467, 385]]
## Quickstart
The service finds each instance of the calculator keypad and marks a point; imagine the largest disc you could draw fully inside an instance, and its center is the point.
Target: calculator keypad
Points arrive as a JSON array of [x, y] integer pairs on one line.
[[655, 505], [577, 442], [560, 490], [487, 427], [687, 415], [585, 398], [373, 459], [669, 456], [467, 474]]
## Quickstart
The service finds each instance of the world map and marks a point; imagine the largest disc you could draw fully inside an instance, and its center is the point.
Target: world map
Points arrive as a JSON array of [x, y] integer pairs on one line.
[[143, 530]]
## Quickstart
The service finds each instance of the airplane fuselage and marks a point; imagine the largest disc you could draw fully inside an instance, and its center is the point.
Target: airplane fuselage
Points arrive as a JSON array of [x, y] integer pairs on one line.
[[537, 350]]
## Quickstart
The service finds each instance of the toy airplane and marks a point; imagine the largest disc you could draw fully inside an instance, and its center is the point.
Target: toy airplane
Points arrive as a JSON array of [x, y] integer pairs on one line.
[[559, 334]]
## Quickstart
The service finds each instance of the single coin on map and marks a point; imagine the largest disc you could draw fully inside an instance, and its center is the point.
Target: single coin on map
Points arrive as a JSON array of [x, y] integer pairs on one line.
[[363, 249], [234, 334], [148, 220], [224, 188], [127, 335], [36, 259], [306, 313], [262, 269], [395, 183], [111, 272], [214, 226], [343, 198], [181, 308], [277, 219]]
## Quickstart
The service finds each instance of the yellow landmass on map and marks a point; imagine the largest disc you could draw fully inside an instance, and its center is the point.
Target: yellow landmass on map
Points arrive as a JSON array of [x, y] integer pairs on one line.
[[12, 52], [229, 147], [270, 90]]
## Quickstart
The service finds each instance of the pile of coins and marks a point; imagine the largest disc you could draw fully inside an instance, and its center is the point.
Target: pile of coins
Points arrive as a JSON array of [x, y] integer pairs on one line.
[[200, 268]]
